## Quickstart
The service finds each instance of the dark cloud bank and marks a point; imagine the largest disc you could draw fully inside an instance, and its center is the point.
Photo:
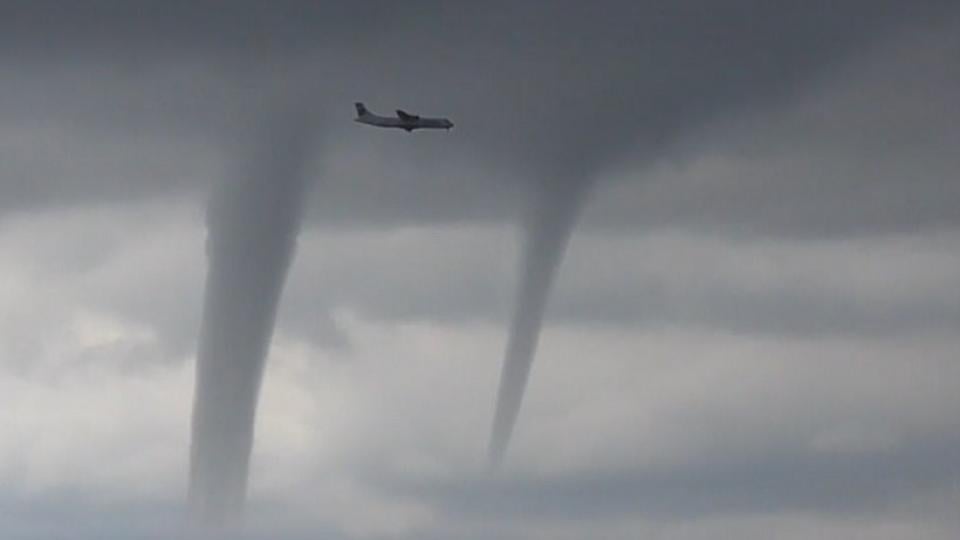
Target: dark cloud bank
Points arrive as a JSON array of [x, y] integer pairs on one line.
[[545, 92]]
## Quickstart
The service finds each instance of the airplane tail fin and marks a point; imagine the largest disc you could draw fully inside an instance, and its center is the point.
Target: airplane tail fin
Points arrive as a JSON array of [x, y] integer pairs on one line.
[[361, 109]]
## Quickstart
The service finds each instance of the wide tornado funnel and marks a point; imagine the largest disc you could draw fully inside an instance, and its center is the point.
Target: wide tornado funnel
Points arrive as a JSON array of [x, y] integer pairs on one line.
[[253, 220]]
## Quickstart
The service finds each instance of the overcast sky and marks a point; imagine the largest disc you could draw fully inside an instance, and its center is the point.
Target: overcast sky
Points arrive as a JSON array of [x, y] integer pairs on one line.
[[753, 333]]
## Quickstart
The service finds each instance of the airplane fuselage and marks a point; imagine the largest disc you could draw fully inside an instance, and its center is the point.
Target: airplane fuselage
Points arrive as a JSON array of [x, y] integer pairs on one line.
[[401, 121], [409, 125]]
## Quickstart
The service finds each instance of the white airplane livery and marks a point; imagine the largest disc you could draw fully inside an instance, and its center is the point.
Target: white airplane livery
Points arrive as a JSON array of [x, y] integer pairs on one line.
[[403, 120]]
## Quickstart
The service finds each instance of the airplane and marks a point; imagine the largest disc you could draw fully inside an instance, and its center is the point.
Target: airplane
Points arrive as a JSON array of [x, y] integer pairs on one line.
[[404, 120]]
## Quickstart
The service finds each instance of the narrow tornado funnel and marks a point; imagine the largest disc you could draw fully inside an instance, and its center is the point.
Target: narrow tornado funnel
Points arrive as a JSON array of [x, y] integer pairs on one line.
[[253, 220], [555, 212]]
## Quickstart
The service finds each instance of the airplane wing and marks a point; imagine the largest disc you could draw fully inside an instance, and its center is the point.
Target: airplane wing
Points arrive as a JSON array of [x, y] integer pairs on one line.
[[406, 116]]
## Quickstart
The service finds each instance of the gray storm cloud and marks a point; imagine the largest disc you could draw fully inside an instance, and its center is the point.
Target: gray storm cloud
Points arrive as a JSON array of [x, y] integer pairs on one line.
[[567, 88], [643, 104], [253, 221]]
